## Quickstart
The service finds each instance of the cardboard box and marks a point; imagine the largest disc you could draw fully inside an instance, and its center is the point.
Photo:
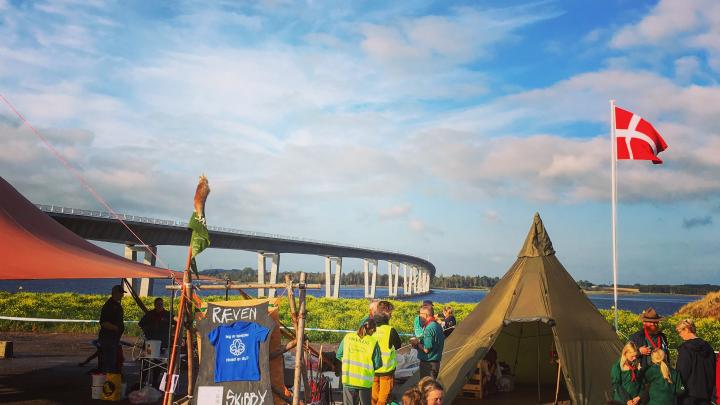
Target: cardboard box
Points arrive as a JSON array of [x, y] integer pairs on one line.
[[6, 349]]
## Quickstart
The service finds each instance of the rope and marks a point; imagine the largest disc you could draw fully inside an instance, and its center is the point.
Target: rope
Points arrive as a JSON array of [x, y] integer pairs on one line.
[[23, 319], [82, 181]]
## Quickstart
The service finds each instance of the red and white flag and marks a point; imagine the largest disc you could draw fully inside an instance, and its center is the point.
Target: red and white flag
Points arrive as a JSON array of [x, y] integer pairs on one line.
[[636, 138]]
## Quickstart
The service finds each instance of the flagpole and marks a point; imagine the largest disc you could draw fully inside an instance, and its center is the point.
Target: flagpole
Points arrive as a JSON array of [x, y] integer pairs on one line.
[[613, 179]]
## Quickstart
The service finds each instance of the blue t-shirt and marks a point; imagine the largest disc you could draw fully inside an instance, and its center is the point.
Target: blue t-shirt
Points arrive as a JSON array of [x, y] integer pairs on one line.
[[237, 347]]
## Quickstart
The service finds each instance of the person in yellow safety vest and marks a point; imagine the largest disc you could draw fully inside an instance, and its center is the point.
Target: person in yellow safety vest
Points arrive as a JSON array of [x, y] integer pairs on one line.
[[389, 341], [360, 357]]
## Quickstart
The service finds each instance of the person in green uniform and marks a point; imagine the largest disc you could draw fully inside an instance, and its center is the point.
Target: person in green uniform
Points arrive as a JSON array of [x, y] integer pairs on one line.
[[626, 377], [360, 356], [664, 383], [430, 345]]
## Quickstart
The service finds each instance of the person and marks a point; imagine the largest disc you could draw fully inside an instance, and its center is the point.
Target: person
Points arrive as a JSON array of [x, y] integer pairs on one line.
[[156, 323], [489, 372], [664, 383], [412, 396], [650, 337], [626, 377], [360, 356], [418, 326], [372, 308], [112, 327], [696, 365], [430, 345], [388, 341], [450, 322], [433, 393]]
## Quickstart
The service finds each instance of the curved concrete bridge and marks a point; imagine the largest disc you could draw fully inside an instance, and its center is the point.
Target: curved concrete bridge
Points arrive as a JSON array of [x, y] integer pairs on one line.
[[102, 226]]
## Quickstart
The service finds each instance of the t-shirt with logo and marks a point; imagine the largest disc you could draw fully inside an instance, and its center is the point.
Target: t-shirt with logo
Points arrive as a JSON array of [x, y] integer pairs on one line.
[[237, 346]]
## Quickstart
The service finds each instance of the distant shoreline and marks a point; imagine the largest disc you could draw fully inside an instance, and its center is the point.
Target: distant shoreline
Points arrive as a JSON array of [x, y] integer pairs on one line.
[[621, 291]]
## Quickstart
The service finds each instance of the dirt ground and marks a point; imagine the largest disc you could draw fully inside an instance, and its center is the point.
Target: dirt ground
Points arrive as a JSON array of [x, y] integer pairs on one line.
[[44, 369]]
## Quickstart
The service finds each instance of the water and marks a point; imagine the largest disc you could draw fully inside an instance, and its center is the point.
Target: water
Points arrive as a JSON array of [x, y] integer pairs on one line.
[[663, 303]]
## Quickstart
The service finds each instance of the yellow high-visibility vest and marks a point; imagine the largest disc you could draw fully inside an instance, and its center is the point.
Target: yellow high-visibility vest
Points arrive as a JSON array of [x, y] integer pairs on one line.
[[389, 358], [357, 360]]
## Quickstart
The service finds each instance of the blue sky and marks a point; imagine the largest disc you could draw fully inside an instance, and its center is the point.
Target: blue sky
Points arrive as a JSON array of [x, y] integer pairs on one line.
[[433, 128]]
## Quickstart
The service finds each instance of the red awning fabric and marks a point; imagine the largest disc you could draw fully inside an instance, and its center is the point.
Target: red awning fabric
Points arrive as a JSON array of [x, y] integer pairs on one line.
[[34, 246]]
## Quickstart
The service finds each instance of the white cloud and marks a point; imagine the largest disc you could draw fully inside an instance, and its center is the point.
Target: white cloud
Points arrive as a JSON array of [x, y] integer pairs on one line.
[[677, 25], [434, 42], [686, 67], [395, 211]]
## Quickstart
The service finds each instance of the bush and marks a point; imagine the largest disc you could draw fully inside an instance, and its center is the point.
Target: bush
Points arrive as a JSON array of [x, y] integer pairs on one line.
[[323, 313]]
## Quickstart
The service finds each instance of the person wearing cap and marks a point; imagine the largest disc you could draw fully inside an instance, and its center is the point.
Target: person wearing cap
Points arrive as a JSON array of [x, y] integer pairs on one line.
[[696, 365], [112, 327], [650, 338], [418, 325], [360, 356]]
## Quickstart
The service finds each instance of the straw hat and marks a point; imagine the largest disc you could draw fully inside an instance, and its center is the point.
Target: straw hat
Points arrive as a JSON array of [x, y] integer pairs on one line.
[[649, 315]]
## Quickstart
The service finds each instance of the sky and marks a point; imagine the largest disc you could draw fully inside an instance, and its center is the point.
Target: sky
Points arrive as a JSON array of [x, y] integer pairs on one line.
[[436, 129]]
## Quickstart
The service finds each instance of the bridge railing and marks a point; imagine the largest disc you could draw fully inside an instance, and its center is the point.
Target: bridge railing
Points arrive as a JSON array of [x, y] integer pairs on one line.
[[182, 224]]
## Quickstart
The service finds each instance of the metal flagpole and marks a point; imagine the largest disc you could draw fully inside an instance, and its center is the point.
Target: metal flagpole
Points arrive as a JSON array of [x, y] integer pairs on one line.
[[613, 177]]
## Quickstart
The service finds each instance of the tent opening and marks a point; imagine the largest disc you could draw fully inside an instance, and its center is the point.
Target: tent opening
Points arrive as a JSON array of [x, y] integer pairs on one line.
[[528, 348]]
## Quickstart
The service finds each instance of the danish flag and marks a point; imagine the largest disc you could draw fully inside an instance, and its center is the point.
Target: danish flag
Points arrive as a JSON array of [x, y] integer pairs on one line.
[[636, 138]]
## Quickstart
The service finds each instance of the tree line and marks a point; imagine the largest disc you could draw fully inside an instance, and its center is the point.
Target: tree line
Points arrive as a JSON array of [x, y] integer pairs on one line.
[[249, 275]]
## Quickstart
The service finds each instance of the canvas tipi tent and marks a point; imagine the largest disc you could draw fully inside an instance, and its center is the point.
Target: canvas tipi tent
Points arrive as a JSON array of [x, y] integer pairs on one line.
[[537, 308]]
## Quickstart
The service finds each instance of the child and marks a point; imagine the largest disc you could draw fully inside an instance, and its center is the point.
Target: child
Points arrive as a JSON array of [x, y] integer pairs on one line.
[[626, 377], [664, 383]]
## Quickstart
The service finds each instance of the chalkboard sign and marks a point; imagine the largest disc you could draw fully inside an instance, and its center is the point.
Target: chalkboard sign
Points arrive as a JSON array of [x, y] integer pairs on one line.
[[236, 357]]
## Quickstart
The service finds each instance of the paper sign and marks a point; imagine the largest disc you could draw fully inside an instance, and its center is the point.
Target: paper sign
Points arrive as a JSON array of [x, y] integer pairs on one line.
[[210, 395], [163, 383]]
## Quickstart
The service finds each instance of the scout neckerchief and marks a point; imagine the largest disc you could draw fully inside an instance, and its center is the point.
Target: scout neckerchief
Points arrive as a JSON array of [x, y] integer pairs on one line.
[[632, 368], [659, 339]]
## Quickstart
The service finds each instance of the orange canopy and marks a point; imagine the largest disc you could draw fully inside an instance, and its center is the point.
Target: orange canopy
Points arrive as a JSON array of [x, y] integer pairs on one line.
[[34, 246]]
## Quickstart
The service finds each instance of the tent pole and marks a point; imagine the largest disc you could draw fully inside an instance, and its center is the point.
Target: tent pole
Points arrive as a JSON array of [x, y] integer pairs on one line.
[[170, 324], [557, 384], [538, 362]]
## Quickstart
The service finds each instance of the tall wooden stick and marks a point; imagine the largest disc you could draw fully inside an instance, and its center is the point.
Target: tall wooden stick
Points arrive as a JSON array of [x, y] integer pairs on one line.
[[300, 332], [168, 398], [188, 339], [557, 385]]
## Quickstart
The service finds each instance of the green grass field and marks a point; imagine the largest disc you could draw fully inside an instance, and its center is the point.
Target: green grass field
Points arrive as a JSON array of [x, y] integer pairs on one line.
[[322, 313]]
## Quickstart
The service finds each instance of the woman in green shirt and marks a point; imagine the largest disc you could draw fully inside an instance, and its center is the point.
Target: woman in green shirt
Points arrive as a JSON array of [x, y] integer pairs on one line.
[[663, 382], [627, 378]]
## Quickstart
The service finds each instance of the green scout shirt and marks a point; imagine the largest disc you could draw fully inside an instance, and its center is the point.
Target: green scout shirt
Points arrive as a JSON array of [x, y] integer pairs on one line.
[[417, 326], [624, 388], [661, 392], [432, 339]]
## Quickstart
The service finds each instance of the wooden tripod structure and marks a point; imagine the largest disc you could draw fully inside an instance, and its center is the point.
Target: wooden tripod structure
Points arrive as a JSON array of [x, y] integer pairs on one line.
[[298, 340]]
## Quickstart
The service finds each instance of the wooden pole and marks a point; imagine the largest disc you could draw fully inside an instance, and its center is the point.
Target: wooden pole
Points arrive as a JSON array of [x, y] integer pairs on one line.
[[557, 384], [189, 338], [300, 332], [168, 397]]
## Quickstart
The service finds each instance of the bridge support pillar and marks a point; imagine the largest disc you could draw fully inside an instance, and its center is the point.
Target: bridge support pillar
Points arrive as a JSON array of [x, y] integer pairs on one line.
[[391, 280], [370, 280], [405, 279], [147, 284], [396, 267], [262, 270], [143, 286], [329, 292]]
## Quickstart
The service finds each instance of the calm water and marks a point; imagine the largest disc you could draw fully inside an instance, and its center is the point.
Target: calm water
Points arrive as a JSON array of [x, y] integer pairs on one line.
[[663, 303]]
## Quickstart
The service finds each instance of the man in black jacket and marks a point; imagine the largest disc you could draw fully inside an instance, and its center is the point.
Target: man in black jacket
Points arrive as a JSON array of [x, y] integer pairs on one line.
[[650, 338], [696, 365], [112, 327]]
